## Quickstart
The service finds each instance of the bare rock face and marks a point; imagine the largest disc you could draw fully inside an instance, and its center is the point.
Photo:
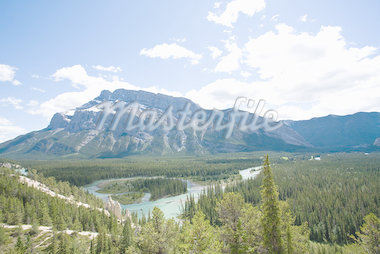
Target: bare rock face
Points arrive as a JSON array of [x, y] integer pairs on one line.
[[114, 207], [377, 142]]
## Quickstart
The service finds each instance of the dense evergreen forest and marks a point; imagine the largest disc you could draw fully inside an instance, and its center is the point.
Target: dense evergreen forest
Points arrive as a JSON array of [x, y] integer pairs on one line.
[[128, 198], [20, 204], [239, 227], [332, 195], [283, 210], [203, 168], [157, 187]]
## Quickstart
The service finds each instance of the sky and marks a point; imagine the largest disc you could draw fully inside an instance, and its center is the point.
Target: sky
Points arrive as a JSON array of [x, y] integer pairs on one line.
[[305, 58]]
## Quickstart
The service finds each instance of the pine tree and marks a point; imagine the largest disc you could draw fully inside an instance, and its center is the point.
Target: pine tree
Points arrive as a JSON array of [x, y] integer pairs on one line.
[[45, 219], [92, 247], [35, 224], [370, 234], [53, 246], [271, 220], [230, 209], [249, 229], [19, 247], [199, 237], [101, 242], [61, 223], [77, 225], [126, 237], [65, 243], [3, 236], [158, 235]]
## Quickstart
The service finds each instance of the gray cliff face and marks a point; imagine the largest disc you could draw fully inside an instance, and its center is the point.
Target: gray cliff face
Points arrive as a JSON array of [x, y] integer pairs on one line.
[[75, 133]]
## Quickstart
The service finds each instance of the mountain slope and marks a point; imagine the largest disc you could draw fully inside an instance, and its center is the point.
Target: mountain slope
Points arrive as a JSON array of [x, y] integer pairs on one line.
[[341, 133], [75, 134], [87, 132]]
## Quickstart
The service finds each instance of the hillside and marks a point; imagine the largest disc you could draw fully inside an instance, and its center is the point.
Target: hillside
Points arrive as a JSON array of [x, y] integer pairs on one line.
[[33, 216]]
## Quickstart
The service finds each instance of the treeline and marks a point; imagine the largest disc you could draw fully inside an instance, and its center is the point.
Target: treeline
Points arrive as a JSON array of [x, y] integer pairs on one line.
[[83, 172]]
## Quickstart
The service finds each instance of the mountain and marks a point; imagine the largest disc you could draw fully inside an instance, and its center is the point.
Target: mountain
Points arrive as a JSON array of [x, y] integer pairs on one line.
[[87, 132], [360, 131]]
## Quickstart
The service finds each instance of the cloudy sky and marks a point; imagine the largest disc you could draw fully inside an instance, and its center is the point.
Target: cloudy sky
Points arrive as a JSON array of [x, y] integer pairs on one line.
[[306, 58]]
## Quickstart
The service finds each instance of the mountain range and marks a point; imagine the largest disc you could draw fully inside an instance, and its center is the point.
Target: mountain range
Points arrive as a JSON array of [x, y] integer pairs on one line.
[[76, 133]]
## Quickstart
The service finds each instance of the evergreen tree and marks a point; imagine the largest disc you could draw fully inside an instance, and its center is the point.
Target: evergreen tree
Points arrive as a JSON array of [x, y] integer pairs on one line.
[[158, 235], [370, 234], [199, 237], [53, 246], [64, 243], [45, 219], [250, 230], [271, 220], [230, 209], [126, 237], [20, 247], [92, 247], [61, 223], [76, 224], [3, 236], [35, 225], [101, 242]]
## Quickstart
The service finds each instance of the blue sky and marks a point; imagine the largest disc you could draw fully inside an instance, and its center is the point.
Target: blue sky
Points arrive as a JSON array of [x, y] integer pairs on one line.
[[305, 58]]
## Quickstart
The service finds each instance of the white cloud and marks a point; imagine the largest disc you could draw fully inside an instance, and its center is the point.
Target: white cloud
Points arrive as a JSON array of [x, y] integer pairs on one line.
[[90, 86], [219, 94], [108, 68], [231, 61], [303, 18], [33, 103], [38, 89], [245, 74], [11, 101], [16, 82], [231, 14], [36, 76], [275, 18], [7, 74], [8, 130], [217, 5], [303, 75], [180, 40], [215, 52], [173, 50]]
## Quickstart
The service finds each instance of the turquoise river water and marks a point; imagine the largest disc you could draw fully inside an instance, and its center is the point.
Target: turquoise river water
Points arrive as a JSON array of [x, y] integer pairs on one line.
[[170, 206]]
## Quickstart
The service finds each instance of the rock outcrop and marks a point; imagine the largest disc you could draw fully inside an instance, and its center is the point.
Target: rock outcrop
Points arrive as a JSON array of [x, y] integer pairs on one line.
[[114, 207]]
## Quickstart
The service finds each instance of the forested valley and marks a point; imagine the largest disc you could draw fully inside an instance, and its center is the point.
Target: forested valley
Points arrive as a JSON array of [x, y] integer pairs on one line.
[[202, 168], [295, 205]]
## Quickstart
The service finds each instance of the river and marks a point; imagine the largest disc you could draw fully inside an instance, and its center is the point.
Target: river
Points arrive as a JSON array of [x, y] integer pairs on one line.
[[170, 206]]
